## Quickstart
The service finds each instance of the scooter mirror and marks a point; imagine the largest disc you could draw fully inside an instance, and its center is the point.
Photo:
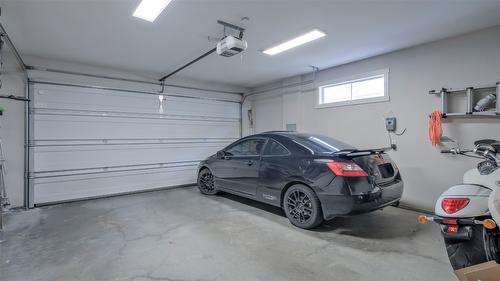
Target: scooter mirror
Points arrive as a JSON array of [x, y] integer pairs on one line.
[[445, 139]]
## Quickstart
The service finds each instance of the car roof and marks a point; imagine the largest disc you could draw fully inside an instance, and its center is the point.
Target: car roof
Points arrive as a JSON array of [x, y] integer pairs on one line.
[[315, 142], [284, 133]]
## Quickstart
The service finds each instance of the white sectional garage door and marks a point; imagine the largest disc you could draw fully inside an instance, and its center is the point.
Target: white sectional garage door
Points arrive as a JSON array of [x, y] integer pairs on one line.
[[89, 142]]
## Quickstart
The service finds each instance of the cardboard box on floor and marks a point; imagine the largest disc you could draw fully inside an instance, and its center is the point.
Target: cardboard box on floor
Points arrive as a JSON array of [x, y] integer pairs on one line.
[[488, 271]]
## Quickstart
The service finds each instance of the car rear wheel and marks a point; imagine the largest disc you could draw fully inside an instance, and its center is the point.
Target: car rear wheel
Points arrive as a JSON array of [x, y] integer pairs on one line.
[[302, 207], [206, 183]]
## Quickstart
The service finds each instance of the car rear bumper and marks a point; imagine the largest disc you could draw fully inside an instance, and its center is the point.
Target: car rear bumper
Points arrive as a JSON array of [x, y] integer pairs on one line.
[[347, 205]]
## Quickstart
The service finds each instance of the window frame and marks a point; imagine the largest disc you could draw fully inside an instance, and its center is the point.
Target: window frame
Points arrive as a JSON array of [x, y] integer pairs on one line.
[[352, 79], [244, 140], [269, 140]]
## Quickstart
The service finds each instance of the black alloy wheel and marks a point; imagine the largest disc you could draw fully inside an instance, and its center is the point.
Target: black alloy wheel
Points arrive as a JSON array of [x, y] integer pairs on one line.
[[302, 207], [206, 183], [299, 206]]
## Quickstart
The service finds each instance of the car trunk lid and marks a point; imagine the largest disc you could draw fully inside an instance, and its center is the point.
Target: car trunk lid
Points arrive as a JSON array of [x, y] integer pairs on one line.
[[379, 166]]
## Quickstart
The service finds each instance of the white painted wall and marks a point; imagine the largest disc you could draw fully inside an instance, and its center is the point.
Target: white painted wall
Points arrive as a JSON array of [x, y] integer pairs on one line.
[[469, 60], [12, 127]]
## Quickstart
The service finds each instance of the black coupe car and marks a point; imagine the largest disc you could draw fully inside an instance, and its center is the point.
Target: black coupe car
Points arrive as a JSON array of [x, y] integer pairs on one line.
[[312, 177]]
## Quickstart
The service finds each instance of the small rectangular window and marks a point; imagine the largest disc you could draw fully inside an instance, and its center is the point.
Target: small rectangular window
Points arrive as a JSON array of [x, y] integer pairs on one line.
[[371, 87]]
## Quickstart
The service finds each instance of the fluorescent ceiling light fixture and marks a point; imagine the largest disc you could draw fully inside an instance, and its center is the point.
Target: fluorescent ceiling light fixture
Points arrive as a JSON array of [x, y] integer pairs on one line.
[[295, 42], [150, 9]]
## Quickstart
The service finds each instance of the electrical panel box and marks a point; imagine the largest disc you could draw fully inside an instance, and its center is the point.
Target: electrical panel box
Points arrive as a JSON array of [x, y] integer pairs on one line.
[[390, 124], [291, 127]]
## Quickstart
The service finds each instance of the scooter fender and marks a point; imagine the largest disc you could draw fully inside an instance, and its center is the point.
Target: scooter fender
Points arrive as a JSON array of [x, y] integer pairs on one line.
[[478, 204], [494, 205]]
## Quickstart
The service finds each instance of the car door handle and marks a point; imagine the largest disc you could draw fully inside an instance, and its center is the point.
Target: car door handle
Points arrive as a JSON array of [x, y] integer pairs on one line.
[[249, 162]]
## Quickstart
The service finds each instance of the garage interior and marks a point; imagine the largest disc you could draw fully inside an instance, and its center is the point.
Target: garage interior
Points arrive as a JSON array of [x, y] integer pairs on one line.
[[106, 116]]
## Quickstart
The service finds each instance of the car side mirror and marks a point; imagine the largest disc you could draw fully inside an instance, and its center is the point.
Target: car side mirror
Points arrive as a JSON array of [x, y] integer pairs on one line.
[[221, 154]]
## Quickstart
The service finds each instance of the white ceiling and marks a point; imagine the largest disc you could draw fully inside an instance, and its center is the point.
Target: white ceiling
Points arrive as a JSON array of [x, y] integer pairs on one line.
[[104, 33]]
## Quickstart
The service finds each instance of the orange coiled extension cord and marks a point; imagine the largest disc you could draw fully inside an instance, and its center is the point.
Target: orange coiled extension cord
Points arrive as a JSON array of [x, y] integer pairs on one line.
[[435, 130]]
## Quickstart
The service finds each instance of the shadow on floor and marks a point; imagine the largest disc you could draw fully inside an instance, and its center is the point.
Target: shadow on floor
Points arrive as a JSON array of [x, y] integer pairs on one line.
[[254, 204], [390, 222]]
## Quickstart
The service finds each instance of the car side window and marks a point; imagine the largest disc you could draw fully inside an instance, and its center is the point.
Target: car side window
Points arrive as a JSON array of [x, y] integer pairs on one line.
[[274, 148], [251, 147]]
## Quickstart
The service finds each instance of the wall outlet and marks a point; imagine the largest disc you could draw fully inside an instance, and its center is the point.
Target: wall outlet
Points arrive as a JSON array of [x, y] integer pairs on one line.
[[390, 124]]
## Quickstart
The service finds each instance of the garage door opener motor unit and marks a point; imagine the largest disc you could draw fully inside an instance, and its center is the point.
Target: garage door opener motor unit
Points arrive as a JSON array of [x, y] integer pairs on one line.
[[230, 46]]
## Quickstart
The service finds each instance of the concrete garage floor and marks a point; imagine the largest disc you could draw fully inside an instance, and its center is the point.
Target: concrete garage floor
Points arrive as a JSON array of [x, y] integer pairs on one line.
[[179, 235]]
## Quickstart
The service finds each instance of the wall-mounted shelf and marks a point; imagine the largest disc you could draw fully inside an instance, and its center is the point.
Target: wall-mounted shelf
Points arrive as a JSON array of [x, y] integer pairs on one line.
[[471, 99]]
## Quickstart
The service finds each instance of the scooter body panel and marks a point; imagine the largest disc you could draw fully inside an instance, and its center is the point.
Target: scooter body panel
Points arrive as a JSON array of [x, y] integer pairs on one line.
[[478, 205], [494, 205], [491, 181]]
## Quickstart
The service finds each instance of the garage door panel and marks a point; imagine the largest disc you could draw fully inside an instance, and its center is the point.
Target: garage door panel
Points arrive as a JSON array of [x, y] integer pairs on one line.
[[56, 157], [77, 99], [69, 188], [89, 142], [202, 93], [88, 127]]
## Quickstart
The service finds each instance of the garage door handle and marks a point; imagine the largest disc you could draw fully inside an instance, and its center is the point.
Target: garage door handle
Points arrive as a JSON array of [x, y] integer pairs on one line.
[[250, 163]]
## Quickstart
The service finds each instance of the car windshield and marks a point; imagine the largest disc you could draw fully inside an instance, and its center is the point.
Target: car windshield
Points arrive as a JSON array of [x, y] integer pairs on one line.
[[321, 144]]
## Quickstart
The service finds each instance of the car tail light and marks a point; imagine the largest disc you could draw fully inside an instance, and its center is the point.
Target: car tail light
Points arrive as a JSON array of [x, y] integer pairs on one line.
[[453, 205], [346, 169]]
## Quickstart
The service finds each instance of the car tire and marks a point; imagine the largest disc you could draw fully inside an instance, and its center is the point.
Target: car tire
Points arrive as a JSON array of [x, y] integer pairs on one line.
[[206, 183], [302, 207], [467, 253]]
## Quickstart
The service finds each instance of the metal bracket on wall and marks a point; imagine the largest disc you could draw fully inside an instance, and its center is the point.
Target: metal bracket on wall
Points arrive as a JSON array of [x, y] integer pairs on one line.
[[11, 46], [12, 97], [471, 95]]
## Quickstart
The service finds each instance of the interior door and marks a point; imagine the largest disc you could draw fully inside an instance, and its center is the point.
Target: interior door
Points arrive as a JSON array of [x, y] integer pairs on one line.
[[238, 170]]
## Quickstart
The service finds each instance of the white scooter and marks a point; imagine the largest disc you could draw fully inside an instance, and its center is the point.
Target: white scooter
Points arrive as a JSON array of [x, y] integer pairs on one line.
[[469, 213]]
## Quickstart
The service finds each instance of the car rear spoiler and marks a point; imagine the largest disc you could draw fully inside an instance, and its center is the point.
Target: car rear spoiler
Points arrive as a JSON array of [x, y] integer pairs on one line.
[[360, 152]]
